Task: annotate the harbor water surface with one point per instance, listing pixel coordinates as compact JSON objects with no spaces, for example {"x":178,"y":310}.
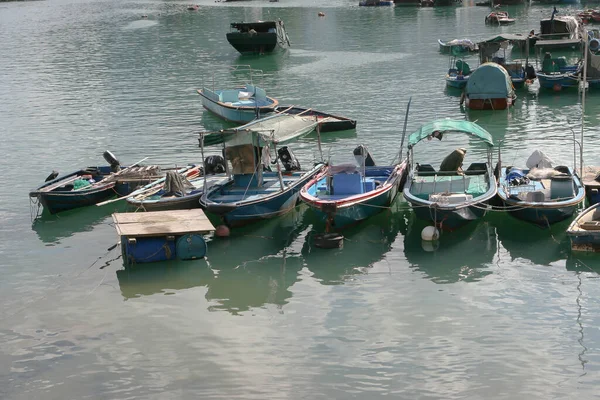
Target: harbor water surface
{"x":497,"y":310}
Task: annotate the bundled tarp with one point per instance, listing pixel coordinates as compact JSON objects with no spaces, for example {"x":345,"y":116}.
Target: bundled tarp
{"x":489,"y":81}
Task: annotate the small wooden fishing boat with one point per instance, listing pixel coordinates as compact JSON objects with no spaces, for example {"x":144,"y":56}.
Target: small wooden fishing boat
{"x":242,"y":104}
{"x":89,"y":186}
{"x":283,"y":125}
{"x":252,"y":192}
{"x":540,"y":194}
{"x":345,"y":194}
{"x":376,"y":3}
{"x":178,"y":190}
{"x":457,"y":46}
{"x":458,"y":74}
{"x":450,"y":197}
{"x":499,"y":18}
{"x":584,"y":231}
{"x":258,"y":37}
{"x":327,"y":122}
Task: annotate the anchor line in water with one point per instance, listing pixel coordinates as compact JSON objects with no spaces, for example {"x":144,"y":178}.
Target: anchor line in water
{"x":581,"y":337}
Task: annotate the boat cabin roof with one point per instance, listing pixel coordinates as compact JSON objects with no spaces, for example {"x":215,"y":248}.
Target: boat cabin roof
{"x":440,"y":127}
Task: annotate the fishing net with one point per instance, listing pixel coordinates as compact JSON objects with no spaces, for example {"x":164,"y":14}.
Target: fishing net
{"x":176,"y":185}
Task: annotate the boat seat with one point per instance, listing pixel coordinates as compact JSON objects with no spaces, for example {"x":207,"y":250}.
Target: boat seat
{"x":590,"y":225}
{"x":347,"y":184}
{"x":561,"y":187}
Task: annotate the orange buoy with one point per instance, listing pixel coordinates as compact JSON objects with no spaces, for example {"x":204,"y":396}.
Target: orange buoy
{"x":222,"y":231}
{"x":557,"y":87}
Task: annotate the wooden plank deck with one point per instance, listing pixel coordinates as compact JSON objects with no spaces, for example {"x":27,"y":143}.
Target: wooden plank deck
{"x":159,"y":223}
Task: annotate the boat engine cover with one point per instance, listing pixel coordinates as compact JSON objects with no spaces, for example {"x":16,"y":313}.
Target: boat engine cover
{"x":288,"y":159}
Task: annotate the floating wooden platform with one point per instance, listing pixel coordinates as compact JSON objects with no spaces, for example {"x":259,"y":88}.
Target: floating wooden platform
{"x":158,"y":223}
{"x":162,"y":235}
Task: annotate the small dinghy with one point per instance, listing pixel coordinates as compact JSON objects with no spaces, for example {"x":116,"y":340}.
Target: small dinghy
{"x":584,"y":231}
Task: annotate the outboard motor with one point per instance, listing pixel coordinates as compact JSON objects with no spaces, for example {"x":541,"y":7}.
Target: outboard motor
{"x":363,"y":157}
{"x":110,"y":158}
{"x":288,"y":159}
{"x":214,"y":165}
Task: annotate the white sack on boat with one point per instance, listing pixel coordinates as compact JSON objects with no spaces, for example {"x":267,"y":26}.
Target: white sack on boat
{"x":539,"y":159}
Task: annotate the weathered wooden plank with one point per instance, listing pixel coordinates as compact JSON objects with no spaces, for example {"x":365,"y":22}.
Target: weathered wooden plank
{"x":159,"y":216}
{"x":164,"y":228}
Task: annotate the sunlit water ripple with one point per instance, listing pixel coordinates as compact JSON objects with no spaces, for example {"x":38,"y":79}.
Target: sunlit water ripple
{"x":500,"y":310}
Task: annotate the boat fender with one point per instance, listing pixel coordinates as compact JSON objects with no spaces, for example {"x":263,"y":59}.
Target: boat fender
{"x":110,"y":158}
{"x":53,"y":175}
{"x":214,"y":165}
{"x":430,"y":234}
{"x":288,"y":159}
{"x":328,"y":240}
{"x":222,"y":231}
{"x":594,"y":45}
{"x":462,"y":98}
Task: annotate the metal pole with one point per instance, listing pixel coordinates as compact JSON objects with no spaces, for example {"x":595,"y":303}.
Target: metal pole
{"x":585,"y":57}
{"x":404,"y":131}
{"x":319,"y":140}
{"x":278,"y":166}
{"x":203,"y":163}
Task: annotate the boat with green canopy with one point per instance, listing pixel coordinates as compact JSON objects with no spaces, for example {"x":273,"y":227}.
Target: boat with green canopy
{"x":450,"y":196}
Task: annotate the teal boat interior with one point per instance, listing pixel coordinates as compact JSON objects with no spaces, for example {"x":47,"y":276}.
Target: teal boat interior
{"x":346,"y":181}
{"x":247,"y":96}
{"x":450,"y":187}
{"x":246,"y":187}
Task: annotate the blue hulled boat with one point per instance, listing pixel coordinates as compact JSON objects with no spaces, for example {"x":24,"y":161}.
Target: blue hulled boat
{"x":540,"y":194}
{"x":89,"y":186}
{"x":345,"y":194}
{"x":458,"y":74}
{"x":450,"y":197}
{"x":253,"y":192}
{"x":242,"y":104}
{"x":584,"y":231}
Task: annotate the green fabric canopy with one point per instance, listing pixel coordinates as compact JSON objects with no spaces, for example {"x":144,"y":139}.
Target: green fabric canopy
{"x":445,"y":126}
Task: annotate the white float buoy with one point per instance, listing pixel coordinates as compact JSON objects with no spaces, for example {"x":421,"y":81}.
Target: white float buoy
{"x":430,"y":233}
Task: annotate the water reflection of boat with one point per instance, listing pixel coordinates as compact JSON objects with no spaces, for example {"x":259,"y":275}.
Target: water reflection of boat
{"x":364,"y":245}
{"x":51,"y":228}
{"x":247,"y":270}
{"x":454,"y":257}
{"x":523,"y":240}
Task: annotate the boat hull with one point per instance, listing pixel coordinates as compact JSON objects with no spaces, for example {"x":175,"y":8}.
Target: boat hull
{"x":543,"y":216}
{"x":352,"y":210}
{"x":489,"y":104}
{"x":259,"y":43}
{"x":165,"y":204}
{"x":327,"y":122}
{"x":240,"y":213}
{"x":452,"y":81}
{"x":235,"y":114}
{"x":448,"y":219}
{"x":557,"y":82}
{"x":584,"y":238}
{"x":56,"y":201}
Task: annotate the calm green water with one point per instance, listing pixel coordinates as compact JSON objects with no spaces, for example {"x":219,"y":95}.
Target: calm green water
{"x":500,"y":310}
